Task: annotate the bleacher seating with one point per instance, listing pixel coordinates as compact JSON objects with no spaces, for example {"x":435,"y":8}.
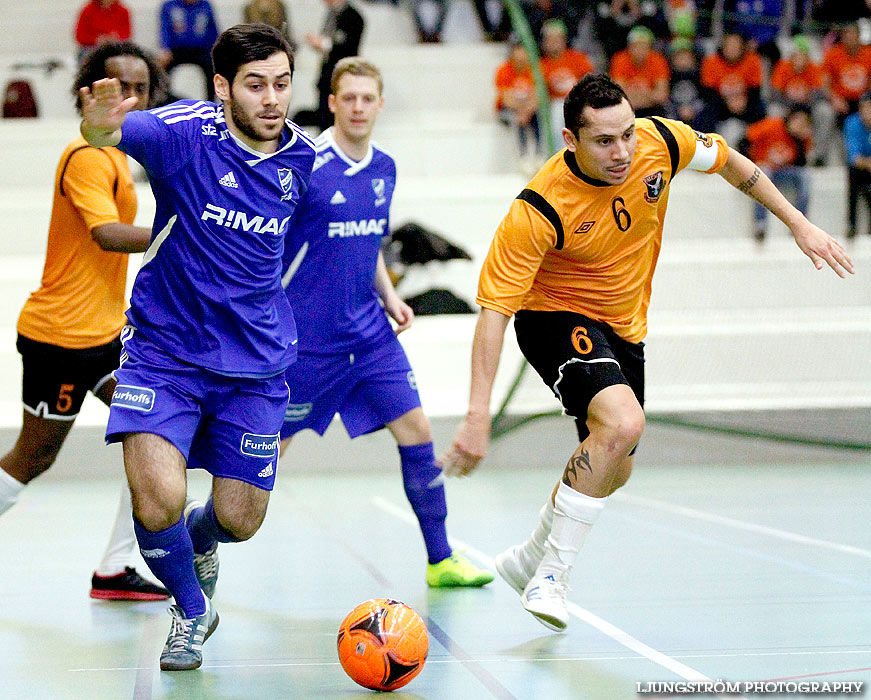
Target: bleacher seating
{"x":731,"y":324}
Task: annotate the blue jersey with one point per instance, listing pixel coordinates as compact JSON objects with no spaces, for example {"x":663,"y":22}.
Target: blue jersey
{"x":209,"y":291}
{"x":332,"y":250}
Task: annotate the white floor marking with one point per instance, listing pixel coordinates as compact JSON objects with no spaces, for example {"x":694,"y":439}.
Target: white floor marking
{"x":742,"y":525}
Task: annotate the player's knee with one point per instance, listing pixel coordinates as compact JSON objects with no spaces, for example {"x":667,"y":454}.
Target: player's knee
{"x":620,"y":431}
{"x":156,"y":510}
{"x":243,"y":526}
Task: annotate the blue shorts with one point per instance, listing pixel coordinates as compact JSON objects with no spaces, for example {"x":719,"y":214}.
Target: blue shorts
{"x":225,"y":425}
{"x":367,"y":389}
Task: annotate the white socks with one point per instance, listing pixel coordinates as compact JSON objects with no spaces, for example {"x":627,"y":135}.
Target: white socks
{"x":121,"y":541}
{"x":10,"y":487}
{"x":574,"y":514}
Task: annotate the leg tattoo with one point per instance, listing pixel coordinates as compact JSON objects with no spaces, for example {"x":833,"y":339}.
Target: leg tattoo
{"x":580,"y":462}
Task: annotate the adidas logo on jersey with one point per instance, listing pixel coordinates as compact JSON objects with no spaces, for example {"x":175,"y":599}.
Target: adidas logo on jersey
{"x":338,"y":198}
{"x":229,"y":180}
{"x":266,"y":471}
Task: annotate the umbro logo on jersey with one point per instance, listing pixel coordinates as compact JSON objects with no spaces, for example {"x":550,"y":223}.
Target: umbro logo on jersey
{"x":338,"y":198}
{"x":229,"y":180}
{"x":266,"y":471}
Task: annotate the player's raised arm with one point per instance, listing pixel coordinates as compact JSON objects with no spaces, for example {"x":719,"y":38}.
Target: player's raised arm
{"x":820,"y":247}
{"x":104,"y":111}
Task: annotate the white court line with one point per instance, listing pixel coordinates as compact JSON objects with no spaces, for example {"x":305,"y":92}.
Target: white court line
{"x":742,"y":525}
{"x":615,"y":633}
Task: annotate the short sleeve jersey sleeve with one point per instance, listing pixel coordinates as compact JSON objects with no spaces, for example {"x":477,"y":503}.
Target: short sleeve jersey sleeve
{"x":519,"y":246}
{"x":160,"y":149}
{"x":89,"y":180}
{"x":706,"y":153}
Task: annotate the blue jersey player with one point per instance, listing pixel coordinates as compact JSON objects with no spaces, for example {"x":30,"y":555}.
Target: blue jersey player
{"x":210,"y":334}
{"x":350,"y":361}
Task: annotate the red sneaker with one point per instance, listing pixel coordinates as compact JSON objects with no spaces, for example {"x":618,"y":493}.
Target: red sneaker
{"x":128,"y":585}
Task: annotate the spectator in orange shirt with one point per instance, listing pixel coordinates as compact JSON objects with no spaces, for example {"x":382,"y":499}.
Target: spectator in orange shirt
{"x":561,"y":67}
{"x":797,"y":81}
{"x":734,"y":73}
{"x":643,"y":73}
{"x":846,"y":72}
{"x":781,"y":146}
{"x":516,"y":100}
{"x":101,"y":21}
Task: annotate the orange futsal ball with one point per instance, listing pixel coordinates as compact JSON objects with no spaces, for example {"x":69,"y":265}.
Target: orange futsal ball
{"x":382,"y":644}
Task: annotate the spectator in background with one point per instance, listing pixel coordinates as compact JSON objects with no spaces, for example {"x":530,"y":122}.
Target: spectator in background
{"x":780,"y":146}
{"x":188,"y":31}
{"x":836,"y":12}
{"x":734,"y":74}
{"x":538,"y":12}
{"x":517,"y":102}
{"x":642,"y":73}
{"x":101,"y":21}
{"x":615,"y":18}
{"x":340,"y":38}
{"x":689,"y":100}
{"x":561,"y":67}
{"x":846,"y":71}
{"x":271,"y":12}
{"x":796,"y":81}
{"x":758,"y":21}
{"x":857,"y":140}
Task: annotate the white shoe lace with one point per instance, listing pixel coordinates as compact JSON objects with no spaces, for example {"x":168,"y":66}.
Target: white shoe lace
{"x":207,"y":564}
{"x":180,"y":632}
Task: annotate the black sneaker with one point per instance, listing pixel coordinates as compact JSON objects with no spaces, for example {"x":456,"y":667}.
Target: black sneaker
{"x":126,"y":586}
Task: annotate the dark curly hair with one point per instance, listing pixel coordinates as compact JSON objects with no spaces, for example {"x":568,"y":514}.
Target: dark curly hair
{"x":595,"y":90}
{"x":94,"y":69}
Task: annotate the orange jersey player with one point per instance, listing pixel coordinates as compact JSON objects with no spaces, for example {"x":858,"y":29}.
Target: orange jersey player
{"x":573,"y":262}
{"x":68,"y":329}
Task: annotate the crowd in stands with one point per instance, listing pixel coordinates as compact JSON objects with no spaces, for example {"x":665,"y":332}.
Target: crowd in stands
{"x":783,"y":81}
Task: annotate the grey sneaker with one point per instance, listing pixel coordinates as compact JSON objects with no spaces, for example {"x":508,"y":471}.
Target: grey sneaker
{"x":206,"y":564}
{"x":513,"y":567}
{"x":545,"y":598}
{"x":183,"y":650}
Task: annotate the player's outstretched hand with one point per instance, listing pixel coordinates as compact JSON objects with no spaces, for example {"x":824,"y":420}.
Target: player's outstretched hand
{"x":103,"y":107}
{"x":822,"y":249}
{"x":470,"y":445}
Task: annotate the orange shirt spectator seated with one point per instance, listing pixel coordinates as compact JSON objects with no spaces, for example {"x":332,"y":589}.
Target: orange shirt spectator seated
{"x":101,"y":21}
{"x":846,"y":72}
{"x":643,"y":73}
{"x":516,"y":100}
{"x":797,"y":80}
{"x":781,"y":146}
{"x":734,"y":73}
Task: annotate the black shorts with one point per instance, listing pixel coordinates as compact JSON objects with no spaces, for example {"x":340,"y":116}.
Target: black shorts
{"x":577,"y":357}
{"x":56,"y":379}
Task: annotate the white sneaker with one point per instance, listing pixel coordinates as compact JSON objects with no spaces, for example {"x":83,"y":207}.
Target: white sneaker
{"x":545,"y":598}
{"x":513,"y":566}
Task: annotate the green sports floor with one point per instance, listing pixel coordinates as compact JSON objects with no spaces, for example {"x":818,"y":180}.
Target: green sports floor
{"x":725,"y":557}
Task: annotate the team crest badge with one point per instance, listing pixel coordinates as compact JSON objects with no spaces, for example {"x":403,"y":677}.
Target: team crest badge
{"x":285,"y":178}
{"x":379,"y":188}
{"x":655,"y":185}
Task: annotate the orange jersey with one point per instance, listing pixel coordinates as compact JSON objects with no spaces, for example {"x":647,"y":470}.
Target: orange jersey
{"x":771,"y":145}
{"x":648,"y":74}
{"x":510,"y":81}
{"x":731,"y":78}
{"x":570,"y":243}
{"x":848,"y":74}
{"x":796,"y":86}
{"x":81,"y":301}
{"x":563,"y":72}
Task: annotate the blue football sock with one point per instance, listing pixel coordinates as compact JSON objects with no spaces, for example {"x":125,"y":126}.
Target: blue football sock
{"x":205,"y":530}
{"x":422,"y":479}
{"x":170,"y":557}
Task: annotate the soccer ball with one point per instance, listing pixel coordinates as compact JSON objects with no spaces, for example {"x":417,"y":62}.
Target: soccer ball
{"x":382,"y":644}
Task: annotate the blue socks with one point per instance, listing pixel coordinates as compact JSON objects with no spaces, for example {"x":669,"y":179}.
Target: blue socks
{"x":170,"y":557}
{"x":422,"y":479}
{"x":205,"y":530}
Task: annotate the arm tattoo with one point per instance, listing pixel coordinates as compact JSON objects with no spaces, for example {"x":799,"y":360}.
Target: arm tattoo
{"x":747,"y":185}
{"x":581,"y":462}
